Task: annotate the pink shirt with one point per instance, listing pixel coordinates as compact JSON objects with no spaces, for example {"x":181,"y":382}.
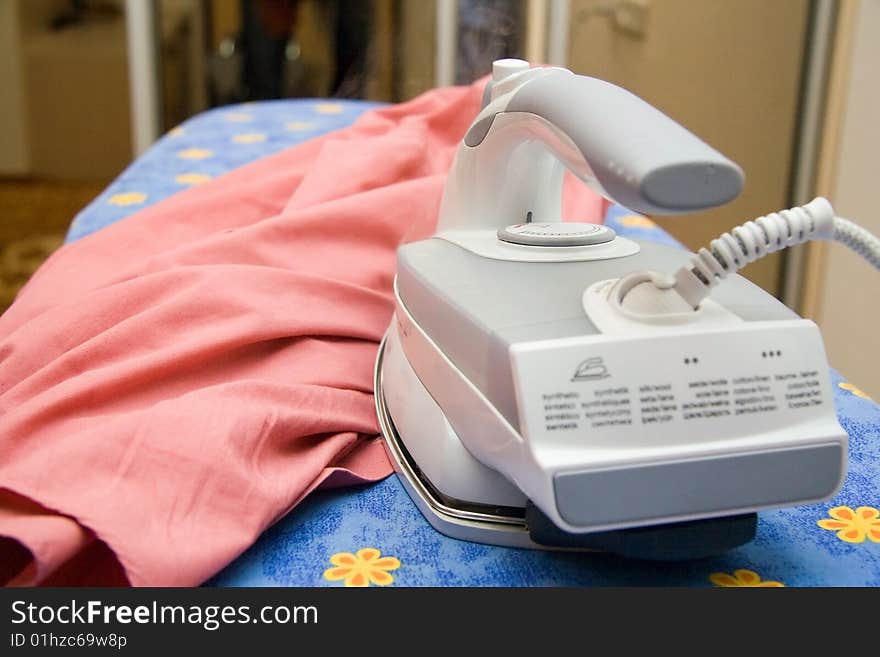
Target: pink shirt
{"x":173,"y":384}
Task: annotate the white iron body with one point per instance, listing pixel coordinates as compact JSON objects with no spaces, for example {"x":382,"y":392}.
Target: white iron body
{"x":523,"y":405}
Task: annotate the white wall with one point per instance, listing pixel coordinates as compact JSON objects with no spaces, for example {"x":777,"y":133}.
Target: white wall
{"x":849,"y":314}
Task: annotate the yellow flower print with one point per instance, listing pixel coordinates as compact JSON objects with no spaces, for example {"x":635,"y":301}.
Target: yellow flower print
{"x":742,"y":577}
{"x":851,"y":388}
{"x":637,"y":221}
{"x":299,"y":125}
{"x":175,"y":132}
{"x":853,"y":526}
{"x":362,"y":568}
{"x":195,"y":153}
{"x":328,"y":108}
{"x":127,"y":198}
{"x":192,"y":178}
{"x":238,"y":117}
{"x":249,"y":138}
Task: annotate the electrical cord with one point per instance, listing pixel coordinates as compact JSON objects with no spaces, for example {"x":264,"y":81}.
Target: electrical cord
{"x":773,"y":232}
{"x":858,"y":239}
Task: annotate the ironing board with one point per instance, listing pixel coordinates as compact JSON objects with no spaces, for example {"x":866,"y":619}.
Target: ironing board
{"x":834,"y":543}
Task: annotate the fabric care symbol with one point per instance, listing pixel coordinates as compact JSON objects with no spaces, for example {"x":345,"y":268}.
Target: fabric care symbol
{"x":591,"y":369}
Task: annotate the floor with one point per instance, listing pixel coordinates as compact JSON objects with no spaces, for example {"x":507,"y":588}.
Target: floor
{"x":34,"y":216}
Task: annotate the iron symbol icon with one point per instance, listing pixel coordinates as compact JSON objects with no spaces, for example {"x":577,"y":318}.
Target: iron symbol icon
{"x":592,"y":369}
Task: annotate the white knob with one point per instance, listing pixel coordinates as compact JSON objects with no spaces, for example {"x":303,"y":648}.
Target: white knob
{"x":503,"y":68}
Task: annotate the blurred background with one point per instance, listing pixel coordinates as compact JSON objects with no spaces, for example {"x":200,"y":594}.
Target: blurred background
{"x":787,"y":88}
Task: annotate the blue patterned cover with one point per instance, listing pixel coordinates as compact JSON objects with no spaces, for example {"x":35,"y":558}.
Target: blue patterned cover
{"x":375,"y":535}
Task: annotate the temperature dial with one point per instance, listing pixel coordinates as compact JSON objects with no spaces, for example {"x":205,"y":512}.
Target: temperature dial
{"x":556,"y":233}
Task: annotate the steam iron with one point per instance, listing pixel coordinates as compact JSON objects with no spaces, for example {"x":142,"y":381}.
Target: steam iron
{"x":523,"y":404}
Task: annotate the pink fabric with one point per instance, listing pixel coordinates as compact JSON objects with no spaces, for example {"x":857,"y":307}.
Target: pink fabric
{"x":177,"y":382}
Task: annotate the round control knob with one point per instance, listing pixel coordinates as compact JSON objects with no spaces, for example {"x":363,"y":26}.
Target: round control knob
{"x":502,"y":68}
{"x":556,"y":233}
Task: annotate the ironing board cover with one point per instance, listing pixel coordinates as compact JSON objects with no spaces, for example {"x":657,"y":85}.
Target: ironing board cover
{"x":834,"y":543}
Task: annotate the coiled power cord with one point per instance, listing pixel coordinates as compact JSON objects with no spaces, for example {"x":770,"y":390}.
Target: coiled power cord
{"x":773,"y":232}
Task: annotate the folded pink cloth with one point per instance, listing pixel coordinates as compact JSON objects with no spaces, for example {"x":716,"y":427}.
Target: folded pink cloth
{"x":177,"y":382}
